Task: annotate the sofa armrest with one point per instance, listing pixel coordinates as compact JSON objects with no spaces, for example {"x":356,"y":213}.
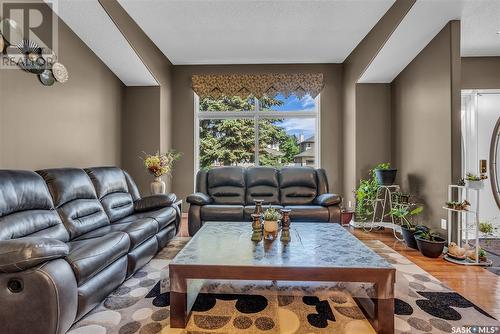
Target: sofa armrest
{"x":327,"y":200}
{"x":154,"y":202}
{"x":199,"y":199}
{"x":24,"y":253}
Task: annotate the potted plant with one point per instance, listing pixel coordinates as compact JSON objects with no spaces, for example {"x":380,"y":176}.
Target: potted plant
{"x":404,"y":215}
{"x":475,"y":181}
{"x":429,"y":244}
{"x":271,"y":217}
{"x":365,"y":195}
{"x":159,"y":165}
{"x":385,"y":174}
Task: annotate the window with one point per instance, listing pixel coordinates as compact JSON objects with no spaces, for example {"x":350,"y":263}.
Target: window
{"x":229,"y":129}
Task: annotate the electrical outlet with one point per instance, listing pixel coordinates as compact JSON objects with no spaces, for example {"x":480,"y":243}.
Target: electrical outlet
{"x":443,"y":224}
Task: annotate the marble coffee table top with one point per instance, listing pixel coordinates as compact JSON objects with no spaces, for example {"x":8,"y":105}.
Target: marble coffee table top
{"x":313,"y":245}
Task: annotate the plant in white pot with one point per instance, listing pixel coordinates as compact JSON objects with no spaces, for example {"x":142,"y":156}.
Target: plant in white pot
{"x":159,"y":165}
{"x":271,"y":223}
{"x":475,"y":181}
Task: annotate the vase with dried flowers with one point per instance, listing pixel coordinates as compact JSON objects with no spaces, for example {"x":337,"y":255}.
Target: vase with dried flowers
{"x":160,"y":164}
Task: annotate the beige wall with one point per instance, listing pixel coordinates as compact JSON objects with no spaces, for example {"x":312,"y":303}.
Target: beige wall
{"x":148,"y":111}
{"x":481,"y":72}
{"x":373,"y":127}
{"x":183,"y":117}
{"x":423,"y":107}
{"x":71,"y":124}
{"x":354,"y":125}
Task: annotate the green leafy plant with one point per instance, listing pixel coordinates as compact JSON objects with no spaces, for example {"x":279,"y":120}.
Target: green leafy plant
{"x":272,"y":214}
{"x":481,"y":253}
{"x":486,"y":228}
{"x":474,"y":177}
{"x":404,"y":214}
{"x":383,"y":166}
{"x":424,"y":233}
{"x":366,"y":193}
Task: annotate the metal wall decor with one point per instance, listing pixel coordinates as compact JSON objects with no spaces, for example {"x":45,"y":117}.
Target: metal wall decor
{"x":29,"y":56}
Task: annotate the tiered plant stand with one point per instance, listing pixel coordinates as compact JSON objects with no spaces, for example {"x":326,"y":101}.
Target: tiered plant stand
{"x":463,"y":193}
{"x":383,"y":200}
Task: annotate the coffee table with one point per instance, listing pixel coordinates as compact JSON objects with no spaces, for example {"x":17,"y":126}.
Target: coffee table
{"x":317,"y":252}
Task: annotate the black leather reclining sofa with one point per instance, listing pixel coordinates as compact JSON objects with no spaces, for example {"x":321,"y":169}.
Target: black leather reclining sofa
{"x":228,"y":194}
{"x":69,"y":237}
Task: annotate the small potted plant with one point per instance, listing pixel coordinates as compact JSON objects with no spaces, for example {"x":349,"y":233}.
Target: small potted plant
{"x":429,"y":244}
{"x":385,"y":174}
{"x":404,"y":215}
{"x":271,"y":226}
{"x":475,"y":181}
{"x":471,"y":255}
{"x":159,"y":165}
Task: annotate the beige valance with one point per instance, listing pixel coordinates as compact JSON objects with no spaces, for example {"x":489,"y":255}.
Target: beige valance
{"x":258,"y":85}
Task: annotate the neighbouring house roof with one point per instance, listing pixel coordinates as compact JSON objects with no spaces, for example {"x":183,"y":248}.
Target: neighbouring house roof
{"x":308,"y":140}
{"x":309,"y":153}
{"x":274,"y":152}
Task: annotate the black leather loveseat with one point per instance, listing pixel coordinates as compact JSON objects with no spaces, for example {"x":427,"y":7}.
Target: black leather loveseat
{"x":69,"y":237}
{"x":228,"y":194}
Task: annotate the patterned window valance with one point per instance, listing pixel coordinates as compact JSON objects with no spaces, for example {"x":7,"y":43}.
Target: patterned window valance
{"x":258,"y":85}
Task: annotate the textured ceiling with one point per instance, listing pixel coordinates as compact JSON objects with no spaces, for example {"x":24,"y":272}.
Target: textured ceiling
{"x":256,"y":32}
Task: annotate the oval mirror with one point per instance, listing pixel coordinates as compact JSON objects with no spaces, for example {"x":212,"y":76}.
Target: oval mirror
{"x":11,"y":31}
{"x":495,"y":162}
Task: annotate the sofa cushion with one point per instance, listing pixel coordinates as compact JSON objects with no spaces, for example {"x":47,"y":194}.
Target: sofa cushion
{"x":164,"y":217}
{"x":112,"y":190}
{"x":89,"y":257}
{"x":26,"y":207}
{"x":308,"y":213}
{"x":262,"y":183}
{"x":249,"y":209}
{"x":226,"y":185}
{"x":138,"y":230}
{"x":75,"y":200}
{"x":222,"y":212}
{"x":298,"y":185}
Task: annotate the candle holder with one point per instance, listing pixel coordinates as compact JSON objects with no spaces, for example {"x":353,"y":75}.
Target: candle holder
{"x":285,"y":225}
{"x":256,"y":227}
{"x":258,"y":207}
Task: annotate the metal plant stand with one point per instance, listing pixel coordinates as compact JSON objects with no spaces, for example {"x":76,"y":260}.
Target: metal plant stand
{"x":463,"y":194}
{"x":383,"y":201}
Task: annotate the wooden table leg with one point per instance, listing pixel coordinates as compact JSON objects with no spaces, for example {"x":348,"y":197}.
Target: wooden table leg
{"x":385,"y":316}
{"x":384,"y":305}
{"x":178,"y":309}
{"x":178,"y":299}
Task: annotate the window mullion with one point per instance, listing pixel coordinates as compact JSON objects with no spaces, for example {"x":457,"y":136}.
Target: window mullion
{"x":256,"y":130}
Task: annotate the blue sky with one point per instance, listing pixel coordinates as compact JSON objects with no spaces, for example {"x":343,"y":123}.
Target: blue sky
{"x":294,"y":103}
{"x":297,"y":126}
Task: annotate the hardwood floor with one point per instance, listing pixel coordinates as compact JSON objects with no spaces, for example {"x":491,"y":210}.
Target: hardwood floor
{"x":474,"y":283}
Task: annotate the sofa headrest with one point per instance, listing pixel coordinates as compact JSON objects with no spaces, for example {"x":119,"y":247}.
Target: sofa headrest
{"x":107,"y":180}
{"x":262,"y":176}
{"x":298,"y":177}
{"x":68,"y":184}
{"x":226,"y":177}
{"x":21,"y":191}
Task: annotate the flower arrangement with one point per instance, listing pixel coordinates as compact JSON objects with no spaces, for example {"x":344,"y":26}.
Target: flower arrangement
{"x":160,"y":164}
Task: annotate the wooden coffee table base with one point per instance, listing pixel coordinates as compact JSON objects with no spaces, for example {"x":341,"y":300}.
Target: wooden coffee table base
{"x":379,"y":311}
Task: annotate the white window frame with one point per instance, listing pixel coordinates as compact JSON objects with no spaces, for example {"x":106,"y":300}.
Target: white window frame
{"x":255,"y":114}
